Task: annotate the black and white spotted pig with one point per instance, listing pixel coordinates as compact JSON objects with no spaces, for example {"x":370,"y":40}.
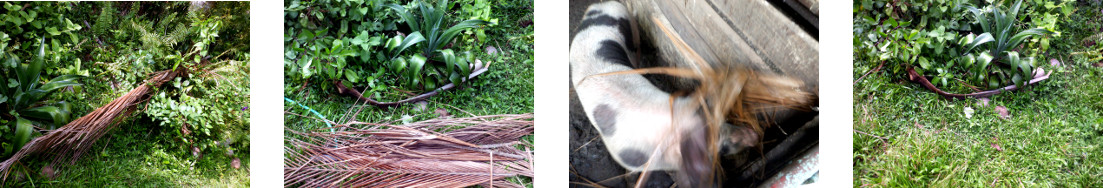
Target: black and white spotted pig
{"x":632,"y":115}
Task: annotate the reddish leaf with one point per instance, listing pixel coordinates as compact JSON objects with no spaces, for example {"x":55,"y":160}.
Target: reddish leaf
{"x":1003,"y":112}
{"x":983,"y":102}
{"x":997,"y":146}
{"x":236,"y":163}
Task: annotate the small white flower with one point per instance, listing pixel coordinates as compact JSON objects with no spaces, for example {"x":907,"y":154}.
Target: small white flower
{"x":968,"y":112}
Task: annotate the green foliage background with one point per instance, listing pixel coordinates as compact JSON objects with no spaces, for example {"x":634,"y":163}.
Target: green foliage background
{"x":188,"y":132}
{"x":363,"y":41}
{"x":932,"y":36}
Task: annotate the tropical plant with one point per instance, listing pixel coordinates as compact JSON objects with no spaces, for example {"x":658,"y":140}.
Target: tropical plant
{"x":22,"y":98}
{"x":325,"y":47}
{"x":999,"y":37}
{"x":937,"y":39}
{"x":431,"y":25}
{"x":479,"y":10}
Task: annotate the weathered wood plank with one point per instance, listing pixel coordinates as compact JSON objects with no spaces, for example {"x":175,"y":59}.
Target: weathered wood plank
{"x":813,"y":5}
{"x":750,"y":32}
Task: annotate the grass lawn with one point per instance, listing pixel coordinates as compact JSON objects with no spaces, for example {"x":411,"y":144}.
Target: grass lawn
{"x":1053,"y":136}
{"x":908,"y":136}
{"x":135,"y":155}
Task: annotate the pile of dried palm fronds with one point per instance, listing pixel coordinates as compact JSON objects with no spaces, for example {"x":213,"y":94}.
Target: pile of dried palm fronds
{"x":73,"y":139}
{"x":433,"y":153}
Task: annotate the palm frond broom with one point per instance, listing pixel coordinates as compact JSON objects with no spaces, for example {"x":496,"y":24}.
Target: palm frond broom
{"x":450,"y":152}
{"x":69,"y":142}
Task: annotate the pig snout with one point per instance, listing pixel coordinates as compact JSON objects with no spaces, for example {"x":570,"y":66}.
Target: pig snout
{"x":734,"y":139}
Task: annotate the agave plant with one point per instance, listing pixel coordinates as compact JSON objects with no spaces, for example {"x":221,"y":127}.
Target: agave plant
{"x":21,"y":98}
{"x":998,"y":38}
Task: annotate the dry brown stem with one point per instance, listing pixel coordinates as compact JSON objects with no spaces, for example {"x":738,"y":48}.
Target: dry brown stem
{"x":456,"y":152}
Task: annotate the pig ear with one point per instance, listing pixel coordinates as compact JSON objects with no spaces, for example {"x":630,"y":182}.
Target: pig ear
{"x":697,"y":165}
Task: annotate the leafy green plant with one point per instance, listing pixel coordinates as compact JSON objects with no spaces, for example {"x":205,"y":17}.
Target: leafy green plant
{"x":325,"y":36}
{"x":936,"y":38}
{"x":22,"y":98}
{"x":431,"y":24}
{"x":999,"y":37}
{"x":479,"y":10}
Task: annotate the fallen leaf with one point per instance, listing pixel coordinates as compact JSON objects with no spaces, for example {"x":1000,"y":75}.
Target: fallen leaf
{"x":491,"y":50}
{"x":983,"y":102}
{"x":997,"y":146}
{"x":441,"y":112}
{"x":1003,"y":112}
{"x":1054,"y":62}
{"x":196,"y":152}
{"x":420,"y":106}
{"x":236,"y":163}
{"x":48,"y":171}
{"x":968,"y":112}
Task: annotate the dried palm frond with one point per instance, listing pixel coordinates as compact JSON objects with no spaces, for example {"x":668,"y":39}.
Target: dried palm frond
{"x":433,"y":153}
{"x":74,"y":139}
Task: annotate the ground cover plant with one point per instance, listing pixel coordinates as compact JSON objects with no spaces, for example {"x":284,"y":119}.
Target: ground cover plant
{"x":374,"y":48}
{"x":192,"y":130}
{"x":1046,"y":134}
{"x":961,"y":45}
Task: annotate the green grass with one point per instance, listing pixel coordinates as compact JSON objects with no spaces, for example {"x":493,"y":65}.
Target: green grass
{"x":135,"y":155}
{"x":1053,"y":137}
{"x":907,"y":136}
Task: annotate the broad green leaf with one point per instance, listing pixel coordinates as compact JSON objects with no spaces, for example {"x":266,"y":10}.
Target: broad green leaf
{"x":410,"y":40}
{"x":57,"y":115}
{"x":923,"y":63}
{"x":52,"y":31}
{"x":983,"y":38}
{"x":352,"y":76}
{"x":398,"y":65}
{"x":414,"y":68}
{"x":406,"y":16}
{"x":23,"y":130}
